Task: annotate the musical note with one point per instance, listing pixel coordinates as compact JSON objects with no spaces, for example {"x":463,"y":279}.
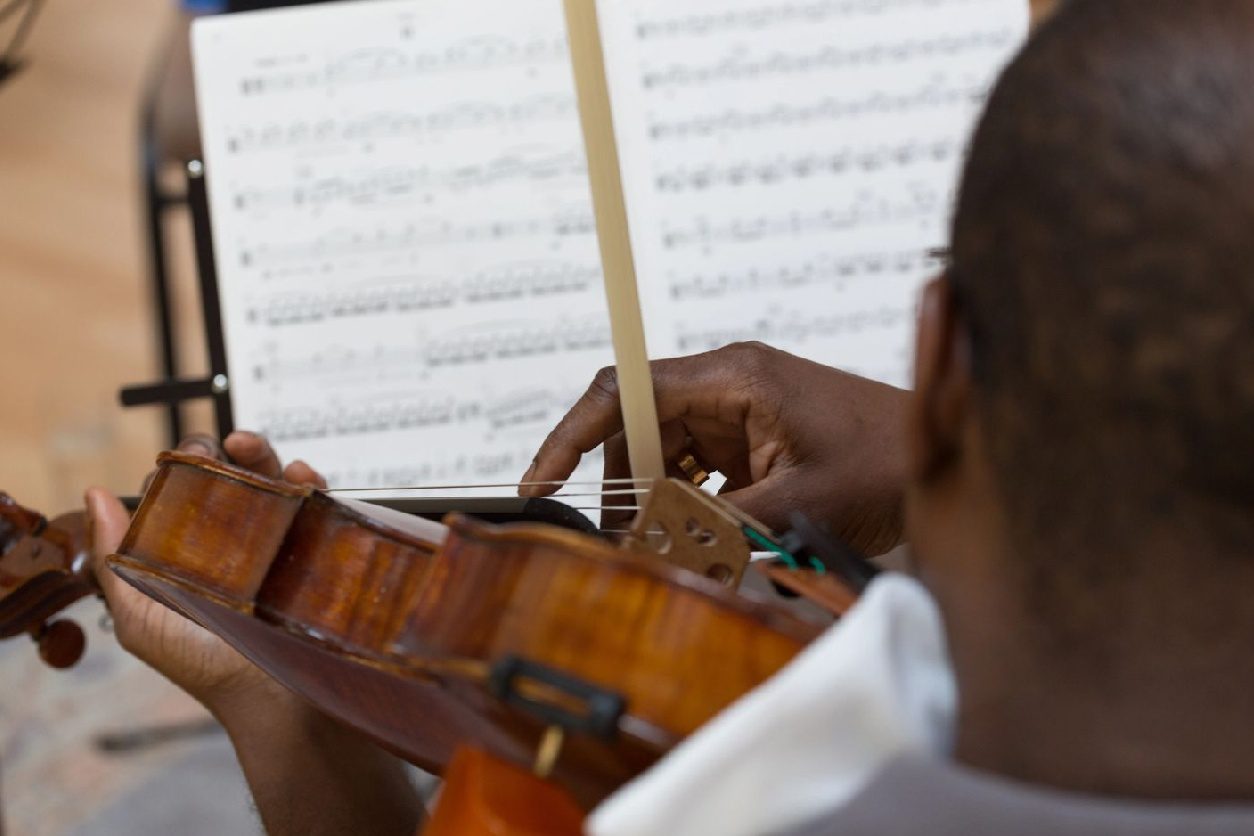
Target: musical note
{"x":740,"y":65}
{"x":485,"y":343}
{"x":753,"y":16}
{"x":821,"y":270}
{"x":503,"y":462}
{"x":936,"y":93}
{"x":403,"y":233}
{"x":375,"y":64}
{"x":789,"y":164}
{"x":795,"y":326}
{"x":409,"y":276}
{"x":804,"y":166}
{"x":405,"y":294}
{"x":421,"y":410}
{"x":406,"y":184}
{"x":390,"y":125}
{"x":864,"y":211}
{"x":494,"y":342}
{"x":429,"y":232}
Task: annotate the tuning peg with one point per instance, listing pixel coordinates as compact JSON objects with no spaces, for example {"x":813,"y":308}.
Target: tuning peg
{"x":61,"y":643}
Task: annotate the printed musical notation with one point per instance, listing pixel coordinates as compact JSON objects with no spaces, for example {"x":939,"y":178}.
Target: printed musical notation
{"x":865,"y":211}
{"x":443,"y":466}
{"x":804,"y":166}
{"x":391,"y":125}
{"x":403,"y":232}
{"x":536,"y":407}
{"x":487,"y":343}
{"x":493,"y":343}
{"x":375,"y":64}
{"x":795,"y":326}
{"x":742,"y":65}
{"x":406,"y":253}
{"x":937,"y":92}
{"x":777,"y":278}
{"x":773,"y":152}
{"x":725,"y":19}
{"x":430,"y":232}
{"x":406,"y":184}
{"x":405,"y":294}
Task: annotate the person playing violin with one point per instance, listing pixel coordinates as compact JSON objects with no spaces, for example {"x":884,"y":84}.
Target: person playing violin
{"x":1073,"y":470}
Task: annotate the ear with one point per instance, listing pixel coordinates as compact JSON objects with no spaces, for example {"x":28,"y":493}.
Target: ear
{"x":942,"y":384}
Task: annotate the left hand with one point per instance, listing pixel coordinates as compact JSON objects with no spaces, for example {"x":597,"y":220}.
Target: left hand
{"x":308,"y":774}
{"x":188,"y":655}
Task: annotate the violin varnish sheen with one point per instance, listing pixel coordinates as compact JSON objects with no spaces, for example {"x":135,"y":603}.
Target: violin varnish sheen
{"x":225,"y":531}
{"x":344,"y":576}
{"x":393,"y":626}
{"x":657,"y":635}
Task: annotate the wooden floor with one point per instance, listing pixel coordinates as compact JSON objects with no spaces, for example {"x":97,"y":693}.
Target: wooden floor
{"x":74,"y":326}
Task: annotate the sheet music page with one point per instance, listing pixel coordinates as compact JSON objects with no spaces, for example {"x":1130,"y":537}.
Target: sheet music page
{"x":406,"y":252}
{"x":788,"y":164}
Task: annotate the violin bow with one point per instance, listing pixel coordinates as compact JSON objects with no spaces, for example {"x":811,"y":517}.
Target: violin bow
{"x":635,"y":381}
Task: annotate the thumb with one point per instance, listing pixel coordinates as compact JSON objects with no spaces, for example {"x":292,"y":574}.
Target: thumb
{"x":109,"y":521}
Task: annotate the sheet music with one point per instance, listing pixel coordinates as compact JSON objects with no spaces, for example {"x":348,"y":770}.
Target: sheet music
{"x":406,"y":252}
{"x":789,"y":164}
{"x":407,"y":259}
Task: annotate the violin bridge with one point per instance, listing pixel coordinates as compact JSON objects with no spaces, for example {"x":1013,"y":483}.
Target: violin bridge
{"x":686,"y":527}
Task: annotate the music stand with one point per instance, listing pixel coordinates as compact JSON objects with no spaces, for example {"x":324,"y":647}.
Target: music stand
{"x":217,"y":385}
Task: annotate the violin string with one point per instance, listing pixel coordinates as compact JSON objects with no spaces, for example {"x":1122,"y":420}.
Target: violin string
{"x":625,"y":492}
{"x":629,"y":531}
{"x":486,"y":485}
{"x":607,"y":507}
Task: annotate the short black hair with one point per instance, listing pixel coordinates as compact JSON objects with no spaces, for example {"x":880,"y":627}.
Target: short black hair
{"x":1103,"y":264}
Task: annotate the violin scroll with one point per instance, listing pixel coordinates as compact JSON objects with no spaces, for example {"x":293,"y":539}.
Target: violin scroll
{"x":44,"y":568}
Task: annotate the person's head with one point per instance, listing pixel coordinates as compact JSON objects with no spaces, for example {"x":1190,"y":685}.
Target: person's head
{"x":1085,"y":385}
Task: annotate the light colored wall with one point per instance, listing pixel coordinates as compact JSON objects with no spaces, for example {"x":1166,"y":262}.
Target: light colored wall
{"x":72,"y":312}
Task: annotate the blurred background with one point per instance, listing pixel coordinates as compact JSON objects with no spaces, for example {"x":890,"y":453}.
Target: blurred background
{"x":78,"y":321}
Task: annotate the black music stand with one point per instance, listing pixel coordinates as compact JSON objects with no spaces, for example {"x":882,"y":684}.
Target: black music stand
{"x":217,"y":385}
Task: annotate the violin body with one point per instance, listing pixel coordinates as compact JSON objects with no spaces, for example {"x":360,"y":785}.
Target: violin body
{"x":394,"y":625}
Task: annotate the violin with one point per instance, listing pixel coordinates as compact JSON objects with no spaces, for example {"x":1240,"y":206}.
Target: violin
{"x":426,"y":636}
{"x":44,"y":568}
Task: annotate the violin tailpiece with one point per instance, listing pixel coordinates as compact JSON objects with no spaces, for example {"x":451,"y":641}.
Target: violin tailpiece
{"x":686,"y":527}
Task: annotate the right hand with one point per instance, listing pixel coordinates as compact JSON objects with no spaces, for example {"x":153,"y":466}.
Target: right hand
{"x":788,"y":434}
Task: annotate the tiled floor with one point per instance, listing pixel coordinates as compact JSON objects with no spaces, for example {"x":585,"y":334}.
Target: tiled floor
{"x":57,"y":781}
